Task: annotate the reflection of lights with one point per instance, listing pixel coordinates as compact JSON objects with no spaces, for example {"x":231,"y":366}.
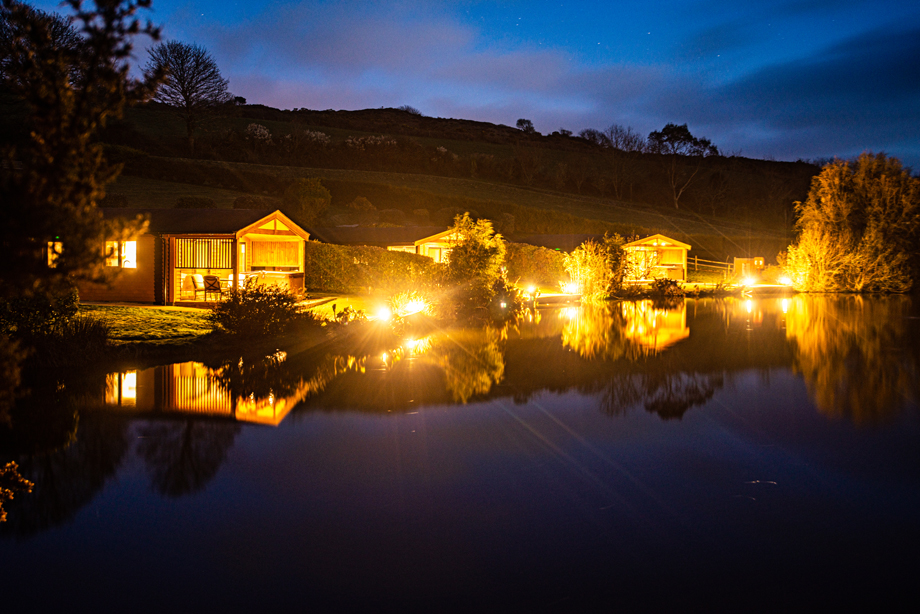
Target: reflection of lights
{"x":749,"y":305}
{"x":417,"y":346}
{"x":785,"y":304}
{"x":384,"y":314}
{"x":785,"y":280}
{"x":384,"y":357}
{"x":413,"y":307}
{"x":569,"y":313}
{"x":129,"y":385}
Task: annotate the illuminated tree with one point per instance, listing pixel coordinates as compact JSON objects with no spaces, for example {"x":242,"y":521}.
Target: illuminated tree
{"x":598,"y":268}
{"x":193,"y":86}
{"x":474,"y":266}
{"x":859,"y":229}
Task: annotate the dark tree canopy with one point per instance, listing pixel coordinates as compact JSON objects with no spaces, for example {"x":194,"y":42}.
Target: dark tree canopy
{"x":525,"y":125}
{"x":193,"y":84}
{"x":677,"y":140}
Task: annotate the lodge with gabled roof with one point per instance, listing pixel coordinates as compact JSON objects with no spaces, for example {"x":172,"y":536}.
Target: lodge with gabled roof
{"x":193,"y":256}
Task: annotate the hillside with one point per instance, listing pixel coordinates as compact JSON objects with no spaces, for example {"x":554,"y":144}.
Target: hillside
{"x":732,"y":206}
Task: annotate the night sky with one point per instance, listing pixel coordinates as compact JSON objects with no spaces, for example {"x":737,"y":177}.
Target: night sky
{"x":776,"y":79}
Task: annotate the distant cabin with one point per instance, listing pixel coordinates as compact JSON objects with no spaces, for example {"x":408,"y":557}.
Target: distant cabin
{"x":193,"y":256}
{"x":657,"y":257}
{"x":431,"y":241}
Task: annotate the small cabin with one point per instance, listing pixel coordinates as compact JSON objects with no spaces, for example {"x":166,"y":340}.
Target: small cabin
{"x":193,"y":256}
{"x":656,"y":257}
{"x":431,"y":241}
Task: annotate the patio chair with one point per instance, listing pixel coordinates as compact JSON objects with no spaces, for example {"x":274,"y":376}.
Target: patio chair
{"x":212,"y":286}
{"x":192,"y":283}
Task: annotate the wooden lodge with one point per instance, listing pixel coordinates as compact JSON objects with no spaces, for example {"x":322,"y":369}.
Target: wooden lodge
{"x":193,"y":256}
{"x":658,"y":257}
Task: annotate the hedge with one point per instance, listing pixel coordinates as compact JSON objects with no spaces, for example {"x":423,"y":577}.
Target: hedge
{"x":346,"y":268}
{"x":532,"y":264}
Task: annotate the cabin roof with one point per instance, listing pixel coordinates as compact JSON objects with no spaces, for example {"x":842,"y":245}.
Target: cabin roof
{"x":658,"y":239}
{"x":380,"y":237}
{"x":197,"y":221}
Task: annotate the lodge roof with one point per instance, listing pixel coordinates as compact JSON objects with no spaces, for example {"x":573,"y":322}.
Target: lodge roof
{"x":380,"y":237}
{"x":191,"y":221}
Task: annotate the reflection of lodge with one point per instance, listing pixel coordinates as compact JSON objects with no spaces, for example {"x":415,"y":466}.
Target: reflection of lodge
{"x":190,"y":388}
{"x":655,"y":328}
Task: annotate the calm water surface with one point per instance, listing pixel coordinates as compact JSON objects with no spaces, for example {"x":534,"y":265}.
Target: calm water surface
{"x":705,"y":455}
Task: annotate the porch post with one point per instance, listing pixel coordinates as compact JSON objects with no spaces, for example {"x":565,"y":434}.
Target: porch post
{"x":234,"y":263}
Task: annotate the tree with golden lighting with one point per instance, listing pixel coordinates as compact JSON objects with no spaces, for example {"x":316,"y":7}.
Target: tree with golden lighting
{"x":859,"y":229}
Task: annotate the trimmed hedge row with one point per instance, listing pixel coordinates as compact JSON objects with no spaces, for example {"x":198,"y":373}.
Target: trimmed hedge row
{"x":532,"y":264}
{"x":346,"y":268}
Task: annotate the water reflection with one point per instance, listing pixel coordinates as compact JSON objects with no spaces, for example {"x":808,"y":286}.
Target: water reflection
{"x":858,"y":356}
{"x":626,"y":329}
{"x":257,"y":389}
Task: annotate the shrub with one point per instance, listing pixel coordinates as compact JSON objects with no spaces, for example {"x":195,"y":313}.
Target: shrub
{"x":257,"y":310}
{"x":361,"y":204}
{"x":250,"y":201}
{"x":35,"y":315}
{"x":73,"y":341}
{"x":195,"y":202}
{"x":393,"y":216}
{"x":532,"y":264}
{"x":421,"y":217}
{"x":307,"y":199}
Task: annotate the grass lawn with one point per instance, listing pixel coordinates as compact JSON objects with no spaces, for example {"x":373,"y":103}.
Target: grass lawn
{"x":158,"y":325}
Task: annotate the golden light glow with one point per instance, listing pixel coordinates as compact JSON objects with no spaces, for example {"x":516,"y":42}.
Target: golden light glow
{"x":569,"y":287}
{"x":748,"y":281}
{"x":384,"y":314}
{"x":749,"y":306}
{"x":129,"y":255}
{"x":785,"y":304}
{"x":785,"y":280}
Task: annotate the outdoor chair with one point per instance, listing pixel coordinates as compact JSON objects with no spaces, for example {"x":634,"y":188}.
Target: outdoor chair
{"x":212,"y":286}
{"x":193,"y":283}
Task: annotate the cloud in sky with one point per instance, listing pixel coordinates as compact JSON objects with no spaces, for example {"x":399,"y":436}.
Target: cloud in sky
{"x":789,"y":78}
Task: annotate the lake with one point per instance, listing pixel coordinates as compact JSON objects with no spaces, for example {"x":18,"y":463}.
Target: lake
{"x":717,"y":455}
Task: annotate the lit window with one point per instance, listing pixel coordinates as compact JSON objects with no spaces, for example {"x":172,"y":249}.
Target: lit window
{"x":111,"y":253}
{"x":129,"y":254}
{"x":54,"y":252}
{"x":121,"y":253}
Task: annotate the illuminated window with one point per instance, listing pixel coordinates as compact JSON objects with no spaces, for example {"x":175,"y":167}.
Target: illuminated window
{"x":54,"y":252}
{"x":129,"y":254}
{"x":121,"y":253}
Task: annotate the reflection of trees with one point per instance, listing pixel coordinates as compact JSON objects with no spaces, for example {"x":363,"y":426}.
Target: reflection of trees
{"x":258,"y":376}
{"x":597,"y":332}
{"x":666,"y":393}
{"x":472,"y":361}
{"x":854,"y":354}
{"x":183,"y":456}
{"x":67,"y":478}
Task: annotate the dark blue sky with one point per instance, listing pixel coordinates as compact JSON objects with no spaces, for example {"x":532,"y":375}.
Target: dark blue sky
{"x":786,"y":79}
